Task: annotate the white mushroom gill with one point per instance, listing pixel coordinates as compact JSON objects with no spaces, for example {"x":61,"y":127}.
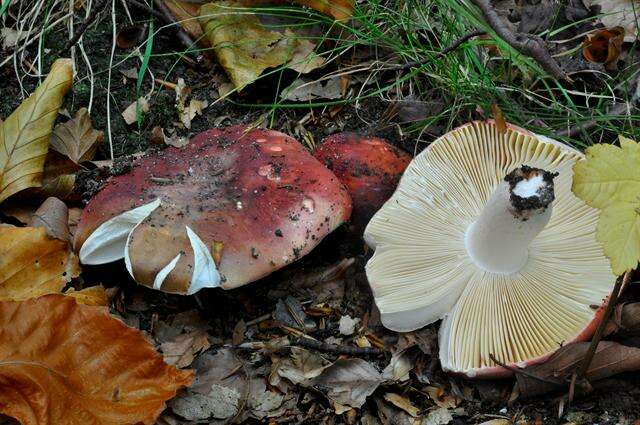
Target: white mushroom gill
{"x":421,"y":270}
{"x":107,"y":243}
{"x":205,"y":273}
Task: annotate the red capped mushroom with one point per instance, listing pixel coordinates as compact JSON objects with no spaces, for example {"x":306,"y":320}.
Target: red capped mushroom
{"x":369,"y":167}
{"x":256,"y":196}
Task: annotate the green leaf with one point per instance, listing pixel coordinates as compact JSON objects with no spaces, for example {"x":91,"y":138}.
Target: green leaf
{"x":609,"y":179}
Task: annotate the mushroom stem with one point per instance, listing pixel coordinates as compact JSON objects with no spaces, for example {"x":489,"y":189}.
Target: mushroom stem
{"x":516,"y":212}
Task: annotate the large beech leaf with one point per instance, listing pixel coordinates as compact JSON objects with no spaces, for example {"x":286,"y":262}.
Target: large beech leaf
{"x":66,"y":363}
{"x":24,"y":135}
{"x":245,"y":47}
{"x":33,"y":263}
{"x":609,"y":179}
{"x":76,"y":138}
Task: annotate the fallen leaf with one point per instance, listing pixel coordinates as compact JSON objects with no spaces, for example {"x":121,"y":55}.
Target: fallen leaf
{"x":130,"y":114}
{"x":440,"y":416}
{"x":349,"y":381}
{"x":53,"y":216}
{"x":625,"y":321}
{"x":182,"y":350}
{"x":24,"y":135}
{"x":441,"y":398}
{"x":93,"y":295}
{"x":338,"y":9}
{"x":622,"y":13}
{"x":402,"y":362}
{"x":11,"y":37}
{"x":187,"y":112}
{"x":76,"y":138}
{"x":245,"y":47}
{"x":219,"y":379}
{"x":610,"y":359}
{"x":347,"y":325}
{"x":302,"y":366}
{"x":608,"y":179}
{"x":304,"y":90}
{"x":58,"y":178}
{"x":33,"y":263}
{"x":402,"y":403}
{"x":81,"y":365}
{"x":262,"y":402}
{"x":289,"y":312}
{"x":604,"y":46}
{"x":239,"y":333}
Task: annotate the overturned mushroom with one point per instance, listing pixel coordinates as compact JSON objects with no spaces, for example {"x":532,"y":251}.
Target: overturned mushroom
{"x":369,"y":167}
{"x":473,"y":235}
{"x":256,"y":199}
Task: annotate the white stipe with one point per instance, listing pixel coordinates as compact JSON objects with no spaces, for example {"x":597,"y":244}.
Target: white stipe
{"x":205,"y":273}
{"x":162,"y":274}
{"x":108,"y":242}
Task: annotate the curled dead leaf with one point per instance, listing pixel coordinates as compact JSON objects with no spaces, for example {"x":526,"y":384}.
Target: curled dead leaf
{"x":33,"y":263}
{"x":24,"y":135}
{"x":604,"y":46}
{"x":63,"y":362}
{"x":93,"y":295}
{"x":53,"y":216}
{"x":76,"y":138}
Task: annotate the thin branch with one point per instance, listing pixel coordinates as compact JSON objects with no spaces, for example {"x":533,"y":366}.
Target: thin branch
{"x":524,"y":372}
{"x":336,"y":349}
{"x":100,"y":5}
{"x":180,"y":32}
{"x":528,"y":45}
{"x":588,"y":357}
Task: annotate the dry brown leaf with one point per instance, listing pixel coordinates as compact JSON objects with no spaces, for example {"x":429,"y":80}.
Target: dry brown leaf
{"x":604,"y":46}
{"x":186,"y":14}
{"x":181,"y":350}
{"x":402,"y":403}
{"x":93,"y":295}
{"x":24,"y":135}
{"x":77,"y":138}
{"x":53,"y":216}
{"x":66,"y":363}
{"x":338,"y":9}
{"x":441,"y":398}
{"x":59,"y":177}
{"x":130,"y":113}
{"x":33,"y":263}
{"x":610,"y":359}
{"x":349,"y":382}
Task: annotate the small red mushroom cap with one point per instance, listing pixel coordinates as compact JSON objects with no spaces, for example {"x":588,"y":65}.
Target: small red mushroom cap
{"x":369,"y":167}
{"x":256,"y":196}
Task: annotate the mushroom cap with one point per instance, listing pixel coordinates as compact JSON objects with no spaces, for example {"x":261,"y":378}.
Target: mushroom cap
{"x":421,"y":271}
{"x":369,"y":167}
{"x":256,"y":196}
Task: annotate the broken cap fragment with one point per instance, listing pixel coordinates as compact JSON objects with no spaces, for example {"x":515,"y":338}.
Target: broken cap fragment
{"x":511,"y":264}
{"x":369,"y":167}
{"x":257,"y":195}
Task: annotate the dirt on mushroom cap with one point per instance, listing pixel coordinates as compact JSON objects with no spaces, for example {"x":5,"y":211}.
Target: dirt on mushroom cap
{"x":258,"y":192}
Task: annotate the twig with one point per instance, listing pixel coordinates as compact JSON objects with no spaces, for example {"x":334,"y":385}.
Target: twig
{"x":336,"y":349}
{"x":576,"y":130}
{"x":451,"y":47}
{"x":146,"y":9}
{"x":524,"y":372}
{"x":588,"y":357}
{"x":100,"y":5}
{"x":180,"y":32}
{"x":528,"y":45}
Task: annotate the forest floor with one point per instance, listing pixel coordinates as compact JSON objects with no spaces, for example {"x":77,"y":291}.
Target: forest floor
{"x":410,"y":107}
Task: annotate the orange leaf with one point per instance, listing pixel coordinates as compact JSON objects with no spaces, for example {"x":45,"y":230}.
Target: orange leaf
{"x":604,"y":46}
{"x":93,"y":295}
{"x":33,"y":263}
{"x":67,"y":363}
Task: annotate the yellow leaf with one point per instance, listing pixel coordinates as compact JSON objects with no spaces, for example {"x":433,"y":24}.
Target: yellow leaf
{"x":93,"y":295}
{"x":244,"y":47}
{"x":66,"y":363}
{"x":24,"y":135}
{"x":619,"y":234}
{"x":33,"y":263}
{"x":609,"y":179}
{"x":77,"y":138}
